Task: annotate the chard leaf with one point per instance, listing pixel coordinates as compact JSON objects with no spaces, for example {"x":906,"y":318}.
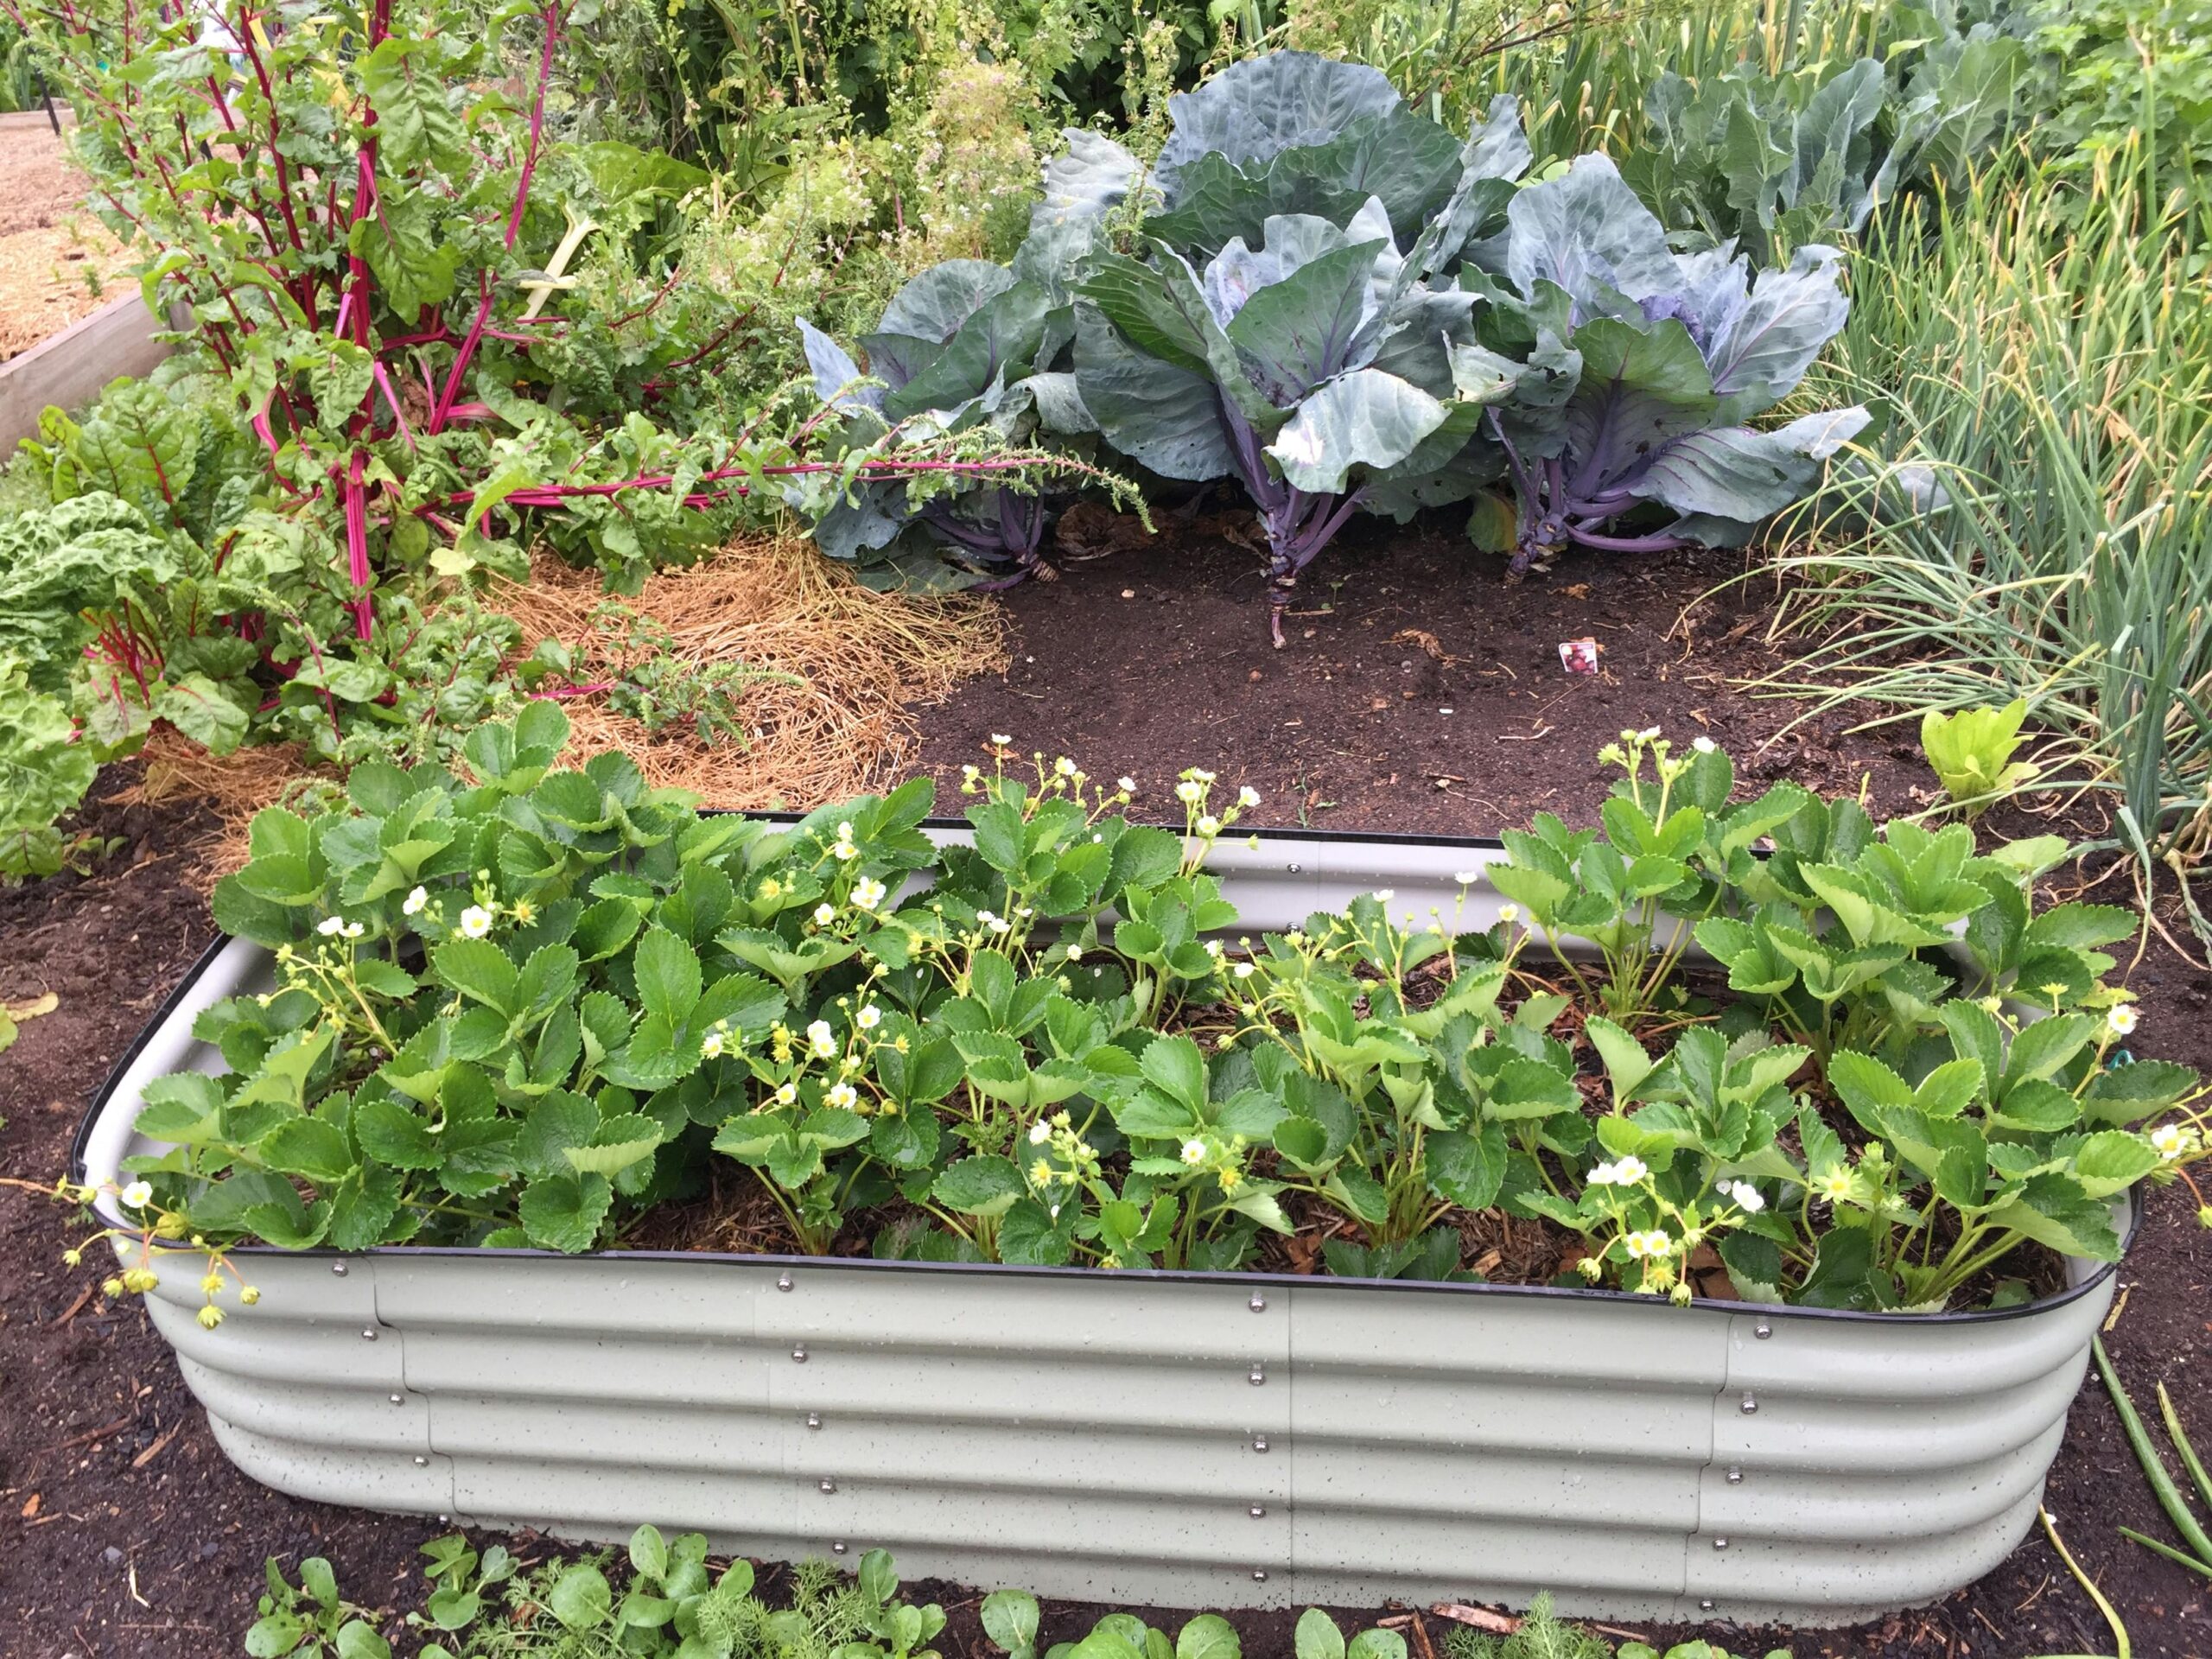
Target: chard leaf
{"x":407,"y":88}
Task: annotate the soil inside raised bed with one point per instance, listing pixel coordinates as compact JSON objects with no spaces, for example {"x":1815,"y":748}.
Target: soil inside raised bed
{"x":125,"y":1533}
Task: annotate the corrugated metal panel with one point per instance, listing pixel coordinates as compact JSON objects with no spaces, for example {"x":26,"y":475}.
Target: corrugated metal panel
{"x":1179,"y":1440}
{"x":1103,"y":1437}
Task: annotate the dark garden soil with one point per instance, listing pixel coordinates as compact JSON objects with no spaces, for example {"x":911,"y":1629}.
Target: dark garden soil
{"x":125,"y":1532}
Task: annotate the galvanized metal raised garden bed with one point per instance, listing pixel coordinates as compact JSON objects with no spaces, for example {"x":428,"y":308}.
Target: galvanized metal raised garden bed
{"x":1179,"y":1439}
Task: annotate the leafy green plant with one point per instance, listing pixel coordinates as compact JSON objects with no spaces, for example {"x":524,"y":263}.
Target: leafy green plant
{"x":1011,"y":1622}
{"x":663,"y":1600}
{"x":2196,"y":1554}
{"x":965,"y":345}
{"x":1670,"y":847}
{"x":2121,"y":72}
{"x":427,"y":330}
{"x":1972,"y":751}
{"x":672,"y":1604}
{"x":632,"y":660}
{"x":524,"y":1008}
{"x":311,"y":1621}
{"x":1777,"y":162}
{"x":740,"y":86}
{"x":460,"y":1579}
{"x":1542,"y":1635}
{"x":44,"y":772}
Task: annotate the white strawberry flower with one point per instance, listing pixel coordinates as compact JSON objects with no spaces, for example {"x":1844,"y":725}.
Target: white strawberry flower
{"x":821,"y":1040}
{"x":711,"y":1046}
{"x":1039,"y":1133}
{"x":1189,"y":793}
{"x":868,"y":1018}
{"x":1127,"y":785}
{"x":2122,"y":1019}
{"x":1209,"y":825}
{"x":475,"y":922}
{"x":824,"y":913}
{"x":1248,"y":798}
{"x":1630,"y":1170}
{"x":413,"y":903}
{"x":867,"y":892}
{"x":844,"y":1097}
{"x":2173,"y":1142}
{"x":1703,"y":745}
{"x":137,"y":1195}
{"x":331,"y":926}
{"x":1194,"y":1153}
{"x":1000,"y":739}
{"x":787,"y":1095}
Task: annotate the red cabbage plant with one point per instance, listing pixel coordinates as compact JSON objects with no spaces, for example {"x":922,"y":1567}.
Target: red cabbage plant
{"x":1619,"y":375}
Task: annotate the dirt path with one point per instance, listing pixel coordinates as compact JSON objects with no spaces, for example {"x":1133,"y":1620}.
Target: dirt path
{"x":125,"y":1535}
{"x":58,"y":264}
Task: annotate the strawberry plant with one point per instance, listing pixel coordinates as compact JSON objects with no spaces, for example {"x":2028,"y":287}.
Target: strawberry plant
{"x":524,"y":1006}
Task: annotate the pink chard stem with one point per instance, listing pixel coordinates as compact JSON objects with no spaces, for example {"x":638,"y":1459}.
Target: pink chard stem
{"x":446,"y":399}
{"x":356,"y":540}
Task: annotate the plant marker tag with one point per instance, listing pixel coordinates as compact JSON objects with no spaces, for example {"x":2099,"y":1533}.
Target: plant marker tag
{"x":1580,"y":656}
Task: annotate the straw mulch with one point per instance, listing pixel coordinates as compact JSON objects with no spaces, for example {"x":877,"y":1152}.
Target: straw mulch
{"x":862,"y":661}
{"x":231,"y":788}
